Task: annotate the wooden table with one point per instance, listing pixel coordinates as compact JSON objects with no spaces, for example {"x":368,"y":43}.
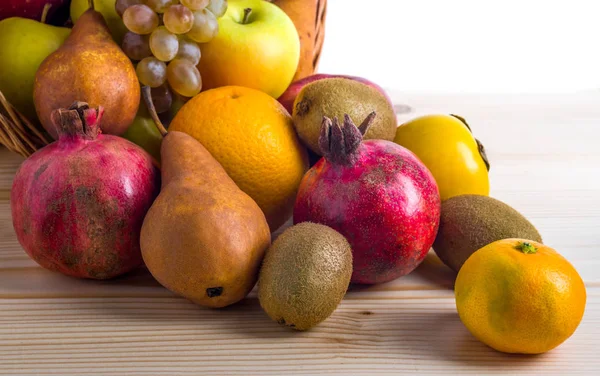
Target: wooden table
{"x":545,"y":162}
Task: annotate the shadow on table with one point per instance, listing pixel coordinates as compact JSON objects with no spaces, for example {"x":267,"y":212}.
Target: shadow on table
{"x":425,"y":332}
{"x":164,"y":309}
{"x":455,"y":344}
{"x":430,"y":274}
{"x":435,"y":271}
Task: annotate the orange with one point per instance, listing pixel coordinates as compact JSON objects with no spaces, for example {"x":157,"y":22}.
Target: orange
{"x":519,"y":296}
{"x":253,"y":138}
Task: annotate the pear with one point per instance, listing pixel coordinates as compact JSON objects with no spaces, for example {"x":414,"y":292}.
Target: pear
{"x":24,"y":44}
{"x":203,"y":238}
{"x":89,"y":67}
{"x":107,"y":9}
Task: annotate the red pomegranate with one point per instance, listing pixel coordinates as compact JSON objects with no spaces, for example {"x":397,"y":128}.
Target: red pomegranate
{"x":376,"y":193}
{"x":79,"y":203}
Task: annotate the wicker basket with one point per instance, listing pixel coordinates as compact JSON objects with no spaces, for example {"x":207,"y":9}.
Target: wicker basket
{"x":17,"y":133}
{"x":309,"y":18}
{"x":21,"y":136}
{"x":319,"y":34}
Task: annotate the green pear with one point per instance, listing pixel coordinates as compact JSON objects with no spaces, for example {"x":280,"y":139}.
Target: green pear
{"x":24,"y":44}
{"x":107,"y":9}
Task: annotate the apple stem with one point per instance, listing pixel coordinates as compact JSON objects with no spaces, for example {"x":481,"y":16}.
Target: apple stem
{"x":147,"y":94}
{"x":247,"y":12}
{"x":45,"y":12}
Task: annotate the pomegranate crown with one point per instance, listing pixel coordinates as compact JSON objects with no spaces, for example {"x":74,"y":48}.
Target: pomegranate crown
{"x":79,"y":120}
{"x":339,"y":143}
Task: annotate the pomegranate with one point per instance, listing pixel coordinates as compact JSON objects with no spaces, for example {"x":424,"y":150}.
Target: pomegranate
{"x":79,"y":203}
{"x":376,"y":193}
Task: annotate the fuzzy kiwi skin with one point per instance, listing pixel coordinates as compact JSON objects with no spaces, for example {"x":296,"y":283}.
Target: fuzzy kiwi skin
{"x":305,"y":275}
{"x":470,"y":222}
{"x":336,"y":97}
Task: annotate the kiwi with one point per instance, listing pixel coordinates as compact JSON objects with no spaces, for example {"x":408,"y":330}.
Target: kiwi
{"x":335,"y":97}
{"x":470,"y":222}
{"x":305,"y":275}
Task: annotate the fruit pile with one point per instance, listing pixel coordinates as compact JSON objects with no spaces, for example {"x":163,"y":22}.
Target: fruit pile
{"x":225,"y":166}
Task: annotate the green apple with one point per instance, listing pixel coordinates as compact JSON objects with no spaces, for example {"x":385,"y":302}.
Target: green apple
{"x":24,"y":44}
{"x":107,"y":9}
{"x":257,"y":46}
{"x":144,"y":133}
{"x":178,"y":102}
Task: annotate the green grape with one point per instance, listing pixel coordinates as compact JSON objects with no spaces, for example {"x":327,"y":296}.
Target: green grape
{"x":151,"y":72}
{"x":162,"y":98}
{"x":205,"y":26}
{"x":121,"y":5}
{"x":140,"y":19}
{"x":164,"y":44}
{"x":184,"y":78}
{"x":218,"y":7}
{"x":195,"y":4}
{"x":178,"y":19}
{"x":188,"y":50}
{"x":159,"y":6}
{"x":136,"y":46}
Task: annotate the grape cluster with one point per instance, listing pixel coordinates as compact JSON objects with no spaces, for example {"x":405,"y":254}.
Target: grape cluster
{"x":163,"y":38}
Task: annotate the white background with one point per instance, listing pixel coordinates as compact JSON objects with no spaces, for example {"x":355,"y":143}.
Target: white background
{"x":466,"y":46}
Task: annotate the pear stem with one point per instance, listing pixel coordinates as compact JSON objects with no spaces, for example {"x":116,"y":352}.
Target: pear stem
{"x":91,"y":4}
{"x":45,"y":12}
{"x":147,"y":94}
{"x":247,"y":12}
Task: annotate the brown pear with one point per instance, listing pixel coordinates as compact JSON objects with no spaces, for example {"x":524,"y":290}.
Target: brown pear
{"x":89,"y":67}
{"x":203,"y":238}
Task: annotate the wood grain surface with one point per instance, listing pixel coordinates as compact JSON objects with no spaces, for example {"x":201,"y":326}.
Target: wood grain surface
{"x":545,"y":162}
